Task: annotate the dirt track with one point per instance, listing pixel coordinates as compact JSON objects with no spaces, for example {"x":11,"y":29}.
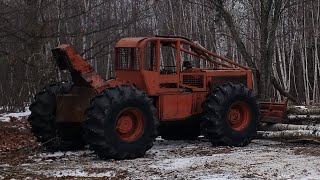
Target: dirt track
{"x":262,"y":159}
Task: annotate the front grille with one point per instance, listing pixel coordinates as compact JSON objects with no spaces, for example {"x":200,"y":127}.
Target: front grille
{"x":193,"y":80}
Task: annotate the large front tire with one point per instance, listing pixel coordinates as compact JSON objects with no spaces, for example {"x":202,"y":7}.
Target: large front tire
{"x":231,"y":115}
{"x":121,"y":123}
{"x":53,"y":136}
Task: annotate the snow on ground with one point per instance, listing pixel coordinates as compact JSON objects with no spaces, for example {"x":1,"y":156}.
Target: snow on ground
{"x":5,"y":117}
{"x":262,"y":159}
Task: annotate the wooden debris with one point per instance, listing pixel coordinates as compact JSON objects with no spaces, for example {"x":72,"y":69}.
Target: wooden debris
{"x":16,"y":135}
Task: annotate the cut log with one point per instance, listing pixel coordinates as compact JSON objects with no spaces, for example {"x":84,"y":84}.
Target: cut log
{"x":290,"y":135}
{"x":303,"y":110}
{"x":283,"y":127}
{"x":304,"y":117}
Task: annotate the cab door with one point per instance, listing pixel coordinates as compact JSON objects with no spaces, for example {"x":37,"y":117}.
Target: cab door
{"x":169,"y":66}
{"x":175,"y":104}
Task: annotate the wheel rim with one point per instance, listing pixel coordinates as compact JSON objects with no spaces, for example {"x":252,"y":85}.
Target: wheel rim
{"x":239,"y":115}
{"x":130,"y":124}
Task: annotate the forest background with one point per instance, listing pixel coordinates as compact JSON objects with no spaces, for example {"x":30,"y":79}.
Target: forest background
{"x":280,"y":38}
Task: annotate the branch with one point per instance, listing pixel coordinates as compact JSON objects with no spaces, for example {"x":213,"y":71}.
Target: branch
{"x":278,"y":87}
{"x":291,"y":3}
{"x":234,"y":33}
{"x":3,"y":53}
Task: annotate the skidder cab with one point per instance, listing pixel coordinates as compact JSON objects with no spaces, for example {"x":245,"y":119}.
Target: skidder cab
{"x":167,"y":86}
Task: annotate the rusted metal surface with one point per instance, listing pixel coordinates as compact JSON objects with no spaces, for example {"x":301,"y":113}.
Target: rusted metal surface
{"x":81,"y":71}
{"x":130,"y":42}
{"x":71,"y":107}
{"x":274,"y":112}
{"x":178,"y":107}
{"x":175,"y":106}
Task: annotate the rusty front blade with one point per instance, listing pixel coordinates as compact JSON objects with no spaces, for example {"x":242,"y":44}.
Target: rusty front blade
{"x":274,"y":112}
{"x":71,"y":107}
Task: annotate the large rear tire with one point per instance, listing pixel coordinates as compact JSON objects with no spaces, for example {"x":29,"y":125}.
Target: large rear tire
{"x":43,"y":121}
{"x":231,"y":115}
{"x":121,"y":123}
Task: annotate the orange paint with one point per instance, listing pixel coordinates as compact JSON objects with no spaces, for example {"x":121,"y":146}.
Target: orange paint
{"x":239,"y":115}
{"x":178,"y":91}
{"x":129,"y":125}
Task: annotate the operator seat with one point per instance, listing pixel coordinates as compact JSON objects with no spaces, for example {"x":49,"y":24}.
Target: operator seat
{"x":189,"y":68}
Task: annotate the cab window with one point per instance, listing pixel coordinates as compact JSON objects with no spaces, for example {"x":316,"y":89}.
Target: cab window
{"x":168,"y":58}
{"x":127,"y":58}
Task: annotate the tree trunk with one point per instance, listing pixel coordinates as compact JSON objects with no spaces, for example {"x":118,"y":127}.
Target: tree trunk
{"x":296,"y":135}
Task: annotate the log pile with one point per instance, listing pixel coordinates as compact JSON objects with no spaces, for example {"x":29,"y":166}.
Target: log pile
{"x":304,"y":115}
{"x":303,"y":110}
{"x":304,"y":125}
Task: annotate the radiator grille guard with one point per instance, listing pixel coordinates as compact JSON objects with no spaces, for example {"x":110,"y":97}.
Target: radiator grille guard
{"x":193,"y":80}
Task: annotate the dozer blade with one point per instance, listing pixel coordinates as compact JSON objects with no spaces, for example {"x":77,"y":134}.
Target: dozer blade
{"x":71,"y":106}
{"x":274,"y":112}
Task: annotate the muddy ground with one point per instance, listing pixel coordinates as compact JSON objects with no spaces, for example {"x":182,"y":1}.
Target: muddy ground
{"x":22,"y":158}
